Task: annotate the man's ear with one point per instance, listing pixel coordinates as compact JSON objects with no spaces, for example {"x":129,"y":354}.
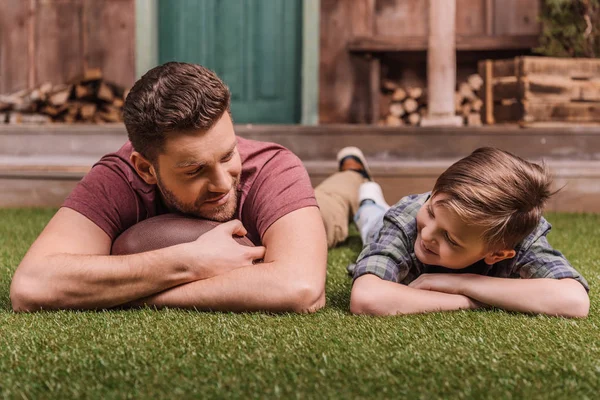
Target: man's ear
{"x":499,"y":255}
{"x":144,"y":168}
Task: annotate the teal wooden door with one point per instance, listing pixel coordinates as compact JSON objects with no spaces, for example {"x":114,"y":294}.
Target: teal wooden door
{"x":253,"y":45}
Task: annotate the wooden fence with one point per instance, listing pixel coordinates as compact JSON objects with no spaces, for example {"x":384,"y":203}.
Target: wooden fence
{"x":56,"y":40}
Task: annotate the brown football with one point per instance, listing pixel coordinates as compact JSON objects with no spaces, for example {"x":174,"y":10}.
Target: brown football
{"x":164,"y":231}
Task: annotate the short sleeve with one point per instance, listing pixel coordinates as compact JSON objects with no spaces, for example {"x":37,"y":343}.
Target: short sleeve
{"x":282,"y":186}
{"x":543,"y":261}
{"x":105,"y":197}
{"x":387,"y":255}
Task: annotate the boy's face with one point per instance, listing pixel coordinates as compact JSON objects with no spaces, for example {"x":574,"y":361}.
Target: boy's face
{"x":443,"y":239}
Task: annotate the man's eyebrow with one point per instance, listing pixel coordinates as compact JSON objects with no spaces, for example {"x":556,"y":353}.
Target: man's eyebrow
{"x":230,"y":151}
{"x":190,"y":163}
{"x":200,"y":164}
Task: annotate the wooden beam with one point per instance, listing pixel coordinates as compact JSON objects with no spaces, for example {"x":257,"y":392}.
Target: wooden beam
{"x":463,"y":43}
{"x":441,"y":64}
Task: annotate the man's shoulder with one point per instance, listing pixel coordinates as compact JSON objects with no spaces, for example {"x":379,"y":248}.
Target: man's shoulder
{"x":257,"y":152}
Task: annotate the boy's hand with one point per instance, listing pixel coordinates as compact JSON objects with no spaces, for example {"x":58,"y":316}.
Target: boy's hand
{"x":446,"y":283}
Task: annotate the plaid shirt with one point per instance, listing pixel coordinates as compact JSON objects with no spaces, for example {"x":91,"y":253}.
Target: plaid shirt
{"x":389,"y":252}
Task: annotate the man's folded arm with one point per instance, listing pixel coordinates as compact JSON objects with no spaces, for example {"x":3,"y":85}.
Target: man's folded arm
{"x":292,"y":277}
{"x":69,"y":266}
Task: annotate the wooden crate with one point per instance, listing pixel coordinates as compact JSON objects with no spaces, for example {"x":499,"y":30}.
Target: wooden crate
{"x":541,"y":89}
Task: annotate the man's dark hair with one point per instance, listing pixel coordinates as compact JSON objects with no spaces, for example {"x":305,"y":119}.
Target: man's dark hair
{"x":173,"y":97}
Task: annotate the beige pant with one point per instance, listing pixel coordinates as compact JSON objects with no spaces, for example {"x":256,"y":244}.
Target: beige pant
{"x":337,"y":197}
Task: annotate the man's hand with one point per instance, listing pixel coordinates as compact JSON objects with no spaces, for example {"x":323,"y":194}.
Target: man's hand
{"x":446,"y":283}
{"x":216,"y":252}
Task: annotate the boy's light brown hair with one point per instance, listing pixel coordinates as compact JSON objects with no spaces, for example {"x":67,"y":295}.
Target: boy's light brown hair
{"x":498,"y":191}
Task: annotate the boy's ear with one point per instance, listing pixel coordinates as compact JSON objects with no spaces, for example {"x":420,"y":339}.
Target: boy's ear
{"x":499,"y":255}
{"x":144,"y":168}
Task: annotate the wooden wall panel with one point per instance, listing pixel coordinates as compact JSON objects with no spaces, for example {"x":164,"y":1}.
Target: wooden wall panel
{"x":516,"y":17}
{"x":470,"y":17}
{"x":401,"y":17}
{"x":55,"y":40}
{"x":109,"y":39}
{"x":340,"y":98}
{"x":58,"y":41}
{"x":14,"y":58}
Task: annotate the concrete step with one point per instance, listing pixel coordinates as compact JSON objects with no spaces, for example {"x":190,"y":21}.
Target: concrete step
{"x":45,"y":181}
{"x":323,"y":142}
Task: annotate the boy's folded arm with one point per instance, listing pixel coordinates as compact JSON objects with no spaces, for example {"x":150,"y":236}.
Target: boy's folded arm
{"x":558,"y":297}
{"x":374,"y":296}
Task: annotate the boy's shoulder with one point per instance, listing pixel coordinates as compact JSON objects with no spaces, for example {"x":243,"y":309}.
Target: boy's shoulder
{"x":542,"y":229}
{"x":405,"y":211}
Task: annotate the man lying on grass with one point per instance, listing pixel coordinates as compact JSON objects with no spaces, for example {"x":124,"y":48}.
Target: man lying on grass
{"x":184,"y":157}
{"x":462,"y":245}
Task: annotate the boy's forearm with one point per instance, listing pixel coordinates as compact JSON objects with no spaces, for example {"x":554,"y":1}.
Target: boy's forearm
{"x":559,"y":297}
{"x":374,"y":296}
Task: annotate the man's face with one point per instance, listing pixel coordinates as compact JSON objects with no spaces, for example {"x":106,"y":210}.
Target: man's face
{"x":443,"y":239}
{"x":198,"y":172}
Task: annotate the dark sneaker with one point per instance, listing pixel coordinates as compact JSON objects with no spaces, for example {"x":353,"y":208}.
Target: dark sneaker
{"x":352,"y":159}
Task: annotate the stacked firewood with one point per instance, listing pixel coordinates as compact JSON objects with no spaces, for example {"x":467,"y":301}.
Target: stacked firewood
{"x":402,"y":105}
{"x":87,"y":99}
{"x":407,"y":105}
{"x":467,"y":100}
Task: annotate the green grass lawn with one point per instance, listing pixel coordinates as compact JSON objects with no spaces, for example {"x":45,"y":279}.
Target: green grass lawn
{"x":331,"y":354}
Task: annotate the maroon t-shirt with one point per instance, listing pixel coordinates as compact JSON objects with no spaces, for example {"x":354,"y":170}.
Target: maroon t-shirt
{"x":272,"y":184}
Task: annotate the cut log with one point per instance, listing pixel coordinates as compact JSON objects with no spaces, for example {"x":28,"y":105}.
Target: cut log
{"x":414,"y":119}
{"x":389,"y":85}
{"x":477,"y":105}
{"x":110,"y":114}
{"x":474,"y":119}
{"x":89,"y":75}
{"x":59,"y":95}
{"x":399,"y":94}
{"x":105,"y":93}
{"x":475,"y":82}
{"x":466,"y":92}
{"x":410,"y":105}
{"x":392,"y":120}
{"x":414,"y":92}
{"x":396,"y":109}
{"x":87,"y":111}
{"x":83,"y":91}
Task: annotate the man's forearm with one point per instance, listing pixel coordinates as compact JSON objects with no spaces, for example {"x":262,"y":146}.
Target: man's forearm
{"x":374,"y":296}
{"x":96,"y":281}
{"x":261,"y":287}
{"x":562,"y":297}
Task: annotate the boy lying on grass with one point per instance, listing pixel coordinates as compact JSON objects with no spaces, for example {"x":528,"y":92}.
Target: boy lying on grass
{"x":462,"y":245}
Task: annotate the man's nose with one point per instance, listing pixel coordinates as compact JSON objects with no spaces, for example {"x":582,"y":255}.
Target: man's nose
{"x":220,"y":181}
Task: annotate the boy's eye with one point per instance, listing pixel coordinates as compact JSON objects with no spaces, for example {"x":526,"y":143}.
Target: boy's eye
{"x":430,"y":212}
{"x":454,"y":244}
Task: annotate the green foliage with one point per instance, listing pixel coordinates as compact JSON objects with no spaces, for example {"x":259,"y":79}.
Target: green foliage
{"x":166,"y":354}
{"x":570,"y":28}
